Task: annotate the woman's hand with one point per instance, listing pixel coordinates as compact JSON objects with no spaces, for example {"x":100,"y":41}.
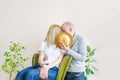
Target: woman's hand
{"x":45,"y":68}
{"x":44,"y":72}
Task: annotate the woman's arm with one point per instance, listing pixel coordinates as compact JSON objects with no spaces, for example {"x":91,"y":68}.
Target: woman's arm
{"x":40,"y":58}
{"x":43,"y":73}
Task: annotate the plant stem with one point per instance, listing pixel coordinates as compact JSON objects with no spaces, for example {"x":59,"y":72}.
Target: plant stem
{"x":10,"y":75}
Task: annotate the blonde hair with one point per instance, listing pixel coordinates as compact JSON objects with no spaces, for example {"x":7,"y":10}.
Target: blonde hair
{"x":53,"y":30}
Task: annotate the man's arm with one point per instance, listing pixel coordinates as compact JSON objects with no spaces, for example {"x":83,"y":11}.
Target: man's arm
{"x":82,"y":50}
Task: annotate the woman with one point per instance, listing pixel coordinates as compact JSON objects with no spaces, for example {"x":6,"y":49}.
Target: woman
{"x":46,"y":68}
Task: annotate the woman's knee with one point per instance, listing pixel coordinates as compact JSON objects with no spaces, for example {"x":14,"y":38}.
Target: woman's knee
{"x":32,"y":73}
{"x":19,"y":76}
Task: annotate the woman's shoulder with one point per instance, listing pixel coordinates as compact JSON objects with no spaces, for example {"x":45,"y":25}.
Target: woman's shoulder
{"x":43,"y":43}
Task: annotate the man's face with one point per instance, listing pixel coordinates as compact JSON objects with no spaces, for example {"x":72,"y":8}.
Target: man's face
{"x":65,"y":29}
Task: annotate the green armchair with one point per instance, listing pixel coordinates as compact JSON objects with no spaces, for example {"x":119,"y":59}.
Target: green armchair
{"x":35,"y":58}
{"x":62,"y":68}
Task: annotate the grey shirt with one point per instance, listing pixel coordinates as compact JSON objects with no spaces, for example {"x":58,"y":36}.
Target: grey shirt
{"x":78,"y":51}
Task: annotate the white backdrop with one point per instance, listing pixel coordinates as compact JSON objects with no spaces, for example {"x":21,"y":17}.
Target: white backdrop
{"x":27,"y":22}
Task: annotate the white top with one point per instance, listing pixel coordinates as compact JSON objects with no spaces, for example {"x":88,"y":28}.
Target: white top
{"x":52,"y":52}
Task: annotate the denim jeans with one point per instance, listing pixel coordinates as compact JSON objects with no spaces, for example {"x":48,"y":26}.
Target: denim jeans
{"x":74,"y":76}
{"x":32,"y":73}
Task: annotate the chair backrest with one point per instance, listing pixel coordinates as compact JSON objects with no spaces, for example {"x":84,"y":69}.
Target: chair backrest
{"x":35,"y":58}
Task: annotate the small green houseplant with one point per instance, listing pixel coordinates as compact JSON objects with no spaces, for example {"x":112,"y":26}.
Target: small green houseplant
{"x":13,"y":59}
{"x":90,"y":68}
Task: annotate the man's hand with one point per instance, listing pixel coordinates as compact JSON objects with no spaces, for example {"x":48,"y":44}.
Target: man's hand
{"x":64,"y":47}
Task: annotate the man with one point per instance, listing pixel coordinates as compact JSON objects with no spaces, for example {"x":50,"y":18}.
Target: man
{"x":77,"y":51}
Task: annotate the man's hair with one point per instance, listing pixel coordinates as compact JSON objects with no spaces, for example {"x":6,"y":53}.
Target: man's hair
{"x":67,"y":23}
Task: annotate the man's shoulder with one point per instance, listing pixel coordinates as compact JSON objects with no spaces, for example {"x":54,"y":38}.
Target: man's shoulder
{"x":80,"y":37}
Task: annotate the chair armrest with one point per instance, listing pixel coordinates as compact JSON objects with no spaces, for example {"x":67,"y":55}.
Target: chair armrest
{"x":63,"y":67}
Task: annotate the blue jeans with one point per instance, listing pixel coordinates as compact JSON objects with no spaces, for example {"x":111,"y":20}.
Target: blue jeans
{"x":74,"y":76}
{"x":32,"y":73}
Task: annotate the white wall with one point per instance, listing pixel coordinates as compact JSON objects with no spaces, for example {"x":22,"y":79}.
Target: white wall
{"x":27,"y":22}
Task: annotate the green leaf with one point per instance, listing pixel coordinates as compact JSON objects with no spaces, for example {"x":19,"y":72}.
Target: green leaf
{"x":7,"y":54}
{"x":21,"y":58}
{"x":12,"y":48}
{"x":88,"y":49}
{"x":88,"y":71}
{"x":87,"y":60}
{"x":24,"y":59}
{"x":85,"y":78}
{"x":4,"y":68}
{"x":92,"y":53}
{"x":23,"y":47}
{"x":92,"y":72}
{"x":7,"y":59}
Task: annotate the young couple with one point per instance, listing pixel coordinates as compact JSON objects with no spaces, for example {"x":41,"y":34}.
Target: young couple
{"x":48,"y":69}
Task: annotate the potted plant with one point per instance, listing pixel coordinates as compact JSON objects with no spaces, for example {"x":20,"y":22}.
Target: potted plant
{"x":13,"y":58}
{"x":90,"y":68}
